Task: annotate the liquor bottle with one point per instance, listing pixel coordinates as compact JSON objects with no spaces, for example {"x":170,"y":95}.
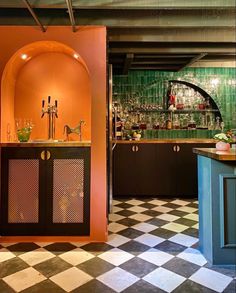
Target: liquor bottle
{"x":169,"y":122}
{"x":117,"y":127}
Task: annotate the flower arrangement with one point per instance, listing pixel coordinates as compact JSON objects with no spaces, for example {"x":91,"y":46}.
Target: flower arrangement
{"x":225,"y":137}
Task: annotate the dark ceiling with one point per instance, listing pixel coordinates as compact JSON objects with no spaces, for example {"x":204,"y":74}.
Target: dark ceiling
{"x":155,"y":34}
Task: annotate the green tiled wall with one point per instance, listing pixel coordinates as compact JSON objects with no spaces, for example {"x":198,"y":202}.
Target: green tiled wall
{"x":150,"y":86}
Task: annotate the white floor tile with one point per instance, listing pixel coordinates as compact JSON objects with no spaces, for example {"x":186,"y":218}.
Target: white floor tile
{"x":193,"y":217}
{"x":196,"y":226}
{"x":116,"y":209}
{"x":134,"y":202}
{"x":136,"y":209}
{"x":36,"y":256}
{"x":175,"y":227}
{"x":149,"y":239}
{"x":115,"y":217}
{"x":156,"y":256}
{"x":157,"y":202}
{"x":187,"y":209}
{"x":24,"y":279}
{"x":115,"y":227}
{"x":140,"y":217}
{"x":115,"y":202}
{"x":76,"y":256}
{"x":144,"y":227}
{"x":164,"y":279}
{"x":71,"y":279}
{"x":6,"y":244}
{"x":117,"y":240}
{"x":5,"y":254}
{"x":193,"y":255}
{"x":168,"y":217}
{"x":180,"y":202}
{"x":42,"y":244}
{"x":211,"y":279}
{"x":116,"y":256}
{"x":118,"y":279}
{"x":161,"y":209}
{"x":184,"y":239}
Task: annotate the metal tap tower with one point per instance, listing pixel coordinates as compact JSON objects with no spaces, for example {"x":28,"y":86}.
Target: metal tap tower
{"x":51,"y":110}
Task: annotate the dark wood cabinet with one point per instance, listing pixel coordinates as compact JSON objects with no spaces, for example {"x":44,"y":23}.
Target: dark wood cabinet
{"x":45,"y":191}
{"x":162,"y":169}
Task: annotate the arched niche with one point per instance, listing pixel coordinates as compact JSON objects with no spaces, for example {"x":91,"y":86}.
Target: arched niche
{"x":49,"y":69}
{"x":200,"y":90}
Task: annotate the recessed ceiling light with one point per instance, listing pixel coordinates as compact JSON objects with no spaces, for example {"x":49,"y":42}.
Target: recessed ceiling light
{"x":24,"y":56}
{"x":76,"y":56}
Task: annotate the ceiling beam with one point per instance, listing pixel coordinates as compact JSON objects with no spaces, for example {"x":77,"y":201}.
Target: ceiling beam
{"x":43,"y":29}
{"x":127,"y":4}
{"x":174,"y":19}
{"x":128,"y":62}
{"x":193,"y":60}
{"x":71,"y":14}
{"x":172,"y":35}
{"x":173,"y":50}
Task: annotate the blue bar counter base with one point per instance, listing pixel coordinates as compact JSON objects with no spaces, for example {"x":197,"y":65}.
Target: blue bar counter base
{"x":217,"y":205}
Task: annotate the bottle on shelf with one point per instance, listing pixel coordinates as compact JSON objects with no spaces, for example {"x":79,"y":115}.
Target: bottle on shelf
{"x":169,"y":122}
{"x":192,"y":123}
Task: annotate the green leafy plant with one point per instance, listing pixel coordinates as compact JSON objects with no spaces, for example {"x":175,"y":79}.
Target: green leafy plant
{"x":225,"y":137}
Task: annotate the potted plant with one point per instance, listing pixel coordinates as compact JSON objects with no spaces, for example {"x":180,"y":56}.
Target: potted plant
{"x":223,"y":140}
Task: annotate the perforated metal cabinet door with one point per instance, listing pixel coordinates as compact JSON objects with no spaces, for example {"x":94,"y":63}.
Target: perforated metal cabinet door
{"x":68,"y":190}
{"x":20,"y":191}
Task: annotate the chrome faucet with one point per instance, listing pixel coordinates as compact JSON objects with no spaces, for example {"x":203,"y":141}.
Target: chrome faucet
{"x":78,"y":130}
{"x":51,"y":110}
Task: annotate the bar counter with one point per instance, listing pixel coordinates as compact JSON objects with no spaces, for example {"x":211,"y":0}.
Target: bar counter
{"x":215,"y":154}
{"x":47,"y":144}
{"x":217,"y":204}
{"x":166,"y":140}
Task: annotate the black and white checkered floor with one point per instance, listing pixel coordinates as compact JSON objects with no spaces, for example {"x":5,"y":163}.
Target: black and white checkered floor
{"x":152,"y":247}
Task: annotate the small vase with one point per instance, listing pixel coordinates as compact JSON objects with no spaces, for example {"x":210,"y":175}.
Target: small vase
{"x":222,"y":146}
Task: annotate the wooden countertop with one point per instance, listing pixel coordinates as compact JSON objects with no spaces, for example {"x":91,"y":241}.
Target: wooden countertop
{"x":166,"y":140}
{"x":215,"y":154}
{"x":47,"y":144}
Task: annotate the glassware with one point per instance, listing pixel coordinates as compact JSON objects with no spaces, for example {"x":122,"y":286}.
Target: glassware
{"x":23,"y":129}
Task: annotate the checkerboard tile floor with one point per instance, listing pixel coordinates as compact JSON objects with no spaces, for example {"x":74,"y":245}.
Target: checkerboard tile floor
{"x":152,"y":247}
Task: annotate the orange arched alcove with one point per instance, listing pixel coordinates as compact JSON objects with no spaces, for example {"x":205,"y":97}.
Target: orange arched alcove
{"x":49,"y":69}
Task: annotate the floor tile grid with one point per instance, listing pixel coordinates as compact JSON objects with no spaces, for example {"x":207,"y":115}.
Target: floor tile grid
{"x":152,"y":247}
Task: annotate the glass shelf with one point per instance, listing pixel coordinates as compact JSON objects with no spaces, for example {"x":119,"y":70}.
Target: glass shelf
{"x":176,"y":111}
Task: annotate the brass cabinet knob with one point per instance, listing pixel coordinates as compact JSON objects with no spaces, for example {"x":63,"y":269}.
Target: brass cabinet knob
{"x":45,"y":155}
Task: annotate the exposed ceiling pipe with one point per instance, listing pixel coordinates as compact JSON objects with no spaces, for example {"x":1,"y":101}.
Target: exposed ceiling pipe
{"x":43,"y":29}
{"x":71,"y":13}
{"x":193,"y":60}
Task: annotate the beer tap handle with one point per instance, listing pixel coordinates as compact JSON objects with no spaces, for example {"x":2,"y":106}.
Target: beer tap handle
{"x":43,"y":103}
{"x":49,"y":100}
{"x":56,"y":103}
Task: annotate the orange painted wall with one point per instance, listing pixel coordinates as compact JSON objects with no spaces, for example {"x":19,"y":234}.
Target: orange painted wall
{"x":64,"y":79}
{"x":90,"y":43}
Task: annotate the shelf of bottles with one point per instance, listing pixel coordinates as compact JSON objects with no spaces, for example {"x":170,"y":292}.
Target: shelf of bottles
{"x":181,"y":112}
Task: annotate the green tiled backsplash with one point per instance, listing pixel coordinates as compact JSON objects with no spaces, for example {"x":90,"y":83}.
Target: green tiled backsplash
{"x":151,"y":86}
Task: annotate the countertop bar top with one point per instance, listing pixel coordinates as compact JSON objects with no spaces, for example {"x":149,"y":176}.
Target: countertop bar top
{"x":47,"y":144}
{"x":215,"y":154}
{"x":166,"y":140}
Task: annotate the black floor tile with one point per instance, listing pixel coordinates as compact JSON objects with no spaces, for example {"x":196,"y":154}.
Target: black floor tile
{"x":191,"y":287}
{"x":93,"y":286}
{"x":59,"y":247}
{"x":170,"y":247}
{"x":45,"y":286}
{"x":52,"y":266}
{"x":134,"y":247}
{"x":96,"y":247}
{"x":231,"y":288}
{"x":151,"y":213}
{"x":12,"y":266}
{"x":191,"y":232}
{"x":164,"y":233}
{"x":178,"y":213}
{"x":181,"y":267}
{"x":186,"y":222}
{"x":130,"y":233}
{"x":157,"y":222}
{"x":142,"y":287}
{"x":147,"y":205}
{"x":128,"y":222}
{"x":22,"y":247}
{"x":138,"y":267}
{"x":225,"y":270}
{"x":125,"y":213}
{"x":95,"y":267}
{"x":124,"y":205}
{"x":171,"y":205}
